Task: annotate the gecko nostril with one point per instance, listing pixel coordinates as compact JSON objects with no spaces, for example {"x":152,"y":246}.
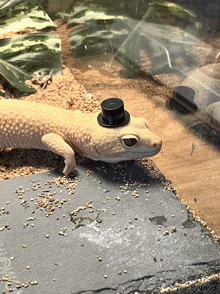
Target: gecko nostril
{"x":157,"y":145}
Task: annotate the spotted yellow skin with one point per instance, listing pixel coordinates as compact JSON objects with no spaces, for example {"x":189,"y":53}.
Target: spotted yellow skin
{"x":26,"y":124}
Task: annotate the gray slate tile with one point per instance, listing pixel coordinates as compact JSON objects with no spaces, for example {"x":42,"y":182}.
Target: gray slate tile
{"x":131,"y":236}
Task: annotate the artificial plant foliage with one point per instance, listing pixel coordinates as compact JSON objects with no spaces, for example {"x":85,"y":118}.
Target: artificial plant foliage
{"x":100,"y":32}
{"x":84,"y":14}
{"x":32,"y":52}
{"x":16,"y":76}
{"x":21,"y":56}
{"x":97,"y":39}
{"x":19,"y":14}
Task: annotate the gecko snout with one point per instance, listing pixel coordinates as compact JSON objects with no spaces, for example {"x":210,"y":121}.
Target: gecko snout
{"x":157,"y":143}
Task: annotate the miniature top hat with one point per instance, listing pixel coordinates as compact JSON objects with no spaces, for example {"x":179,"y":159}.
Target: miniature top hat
{"x":113,"y":114}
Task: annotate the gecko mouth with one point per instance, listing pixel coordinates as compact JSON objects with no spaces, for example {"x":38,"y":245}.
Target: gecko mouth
{"x":117,"y":157}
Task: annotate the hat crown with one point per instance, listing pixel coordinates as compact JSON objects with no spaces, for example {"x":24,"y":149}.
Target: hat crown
{"x":112,"y":113}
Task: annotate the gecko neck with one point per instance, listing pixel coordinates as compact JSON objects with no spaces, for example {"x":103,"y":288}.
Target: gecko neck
{"x":80,"y":138}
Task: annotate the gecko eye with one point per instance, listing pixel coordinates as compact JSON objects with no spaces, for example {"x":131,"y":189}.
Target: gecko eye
{"x":129,"y":141}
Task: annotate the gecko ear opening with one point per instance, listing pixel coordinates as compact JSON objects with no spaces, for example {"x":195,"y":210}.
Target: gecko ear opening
{"x":113,"y":114}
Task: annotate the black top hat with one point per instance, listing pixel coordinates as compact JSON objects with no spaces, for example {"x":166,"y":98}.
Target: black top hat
{"x":113,"y":114}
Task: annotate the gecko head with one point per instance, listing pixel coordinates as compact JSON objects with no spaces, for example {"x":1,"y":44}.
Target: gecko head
{"x":128,"y":142}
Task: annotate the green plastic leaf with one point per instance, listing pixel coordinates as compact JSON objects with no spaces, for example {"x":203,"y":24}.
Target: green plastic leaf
{"x":102,"y":33}
{"x":20,"y":14}
{"x":96,"y":40}
{"x":165,"y":12}
{"x":33,"y":52}
{"x":84,"y":14}
{"x":15,"y":76}
{"x":174,"y":9}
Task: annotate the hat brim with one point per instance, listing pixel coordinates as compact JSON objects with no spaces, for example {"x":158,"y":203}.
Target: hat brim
{"x":114,"y":124}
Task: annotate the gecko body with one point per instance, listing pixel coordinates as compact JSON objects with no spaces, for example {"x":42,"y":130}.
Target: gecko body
{"x":30,"y":125}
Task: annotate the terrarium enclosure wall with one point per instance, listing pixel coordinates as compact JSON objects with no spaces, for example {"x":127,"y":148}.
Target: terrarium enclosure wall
{"x":162,"y":59}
